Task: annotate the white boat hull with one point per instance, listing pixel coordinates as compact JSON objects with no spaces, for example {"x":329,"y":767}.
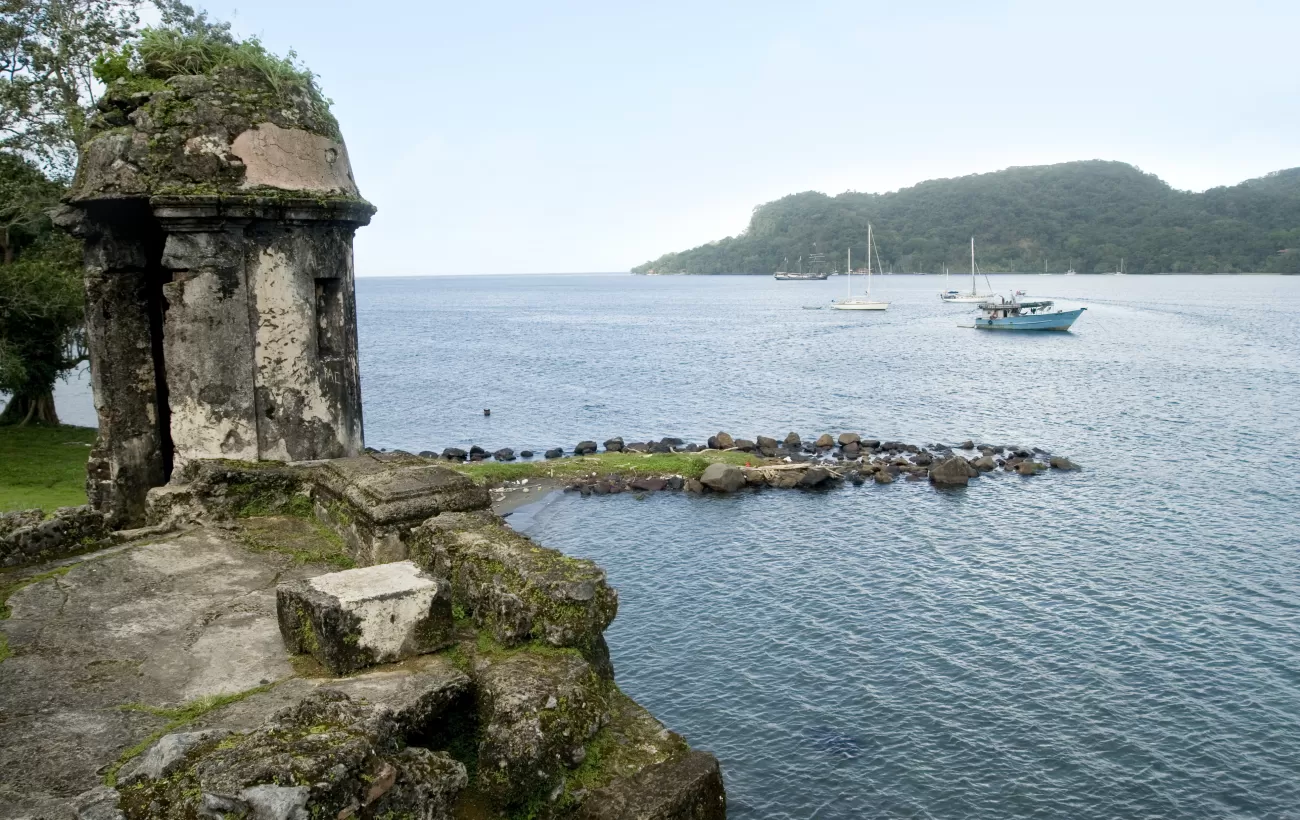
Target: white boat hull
{"x":966,"y":298}
{"x":858,"y":305}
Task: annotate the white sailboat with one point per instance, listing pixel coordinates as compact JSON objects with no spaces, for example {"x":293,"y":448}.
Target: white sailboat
{"x":851,"y":302}
{"x":1120,"y":272}
{"x":974,"y":295}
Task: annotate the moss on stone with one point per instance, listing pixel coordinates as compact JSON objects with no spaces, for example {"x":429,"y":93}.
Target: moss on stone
{"x":176,"y":718}
{"x":8,"y":590}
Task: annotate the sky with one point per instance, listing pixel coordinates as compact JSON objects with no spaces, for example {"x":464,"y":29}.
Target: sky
{"x":561,"y":137}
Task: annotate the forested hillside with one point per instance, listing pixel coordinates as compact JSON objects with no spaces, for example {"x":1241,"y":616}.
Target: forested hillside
{"x":1085,"y":215}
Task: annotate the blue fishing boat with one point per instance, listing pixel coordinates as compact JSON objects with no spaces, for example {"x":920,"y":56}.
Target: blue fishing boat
{"x":1027,"y":315}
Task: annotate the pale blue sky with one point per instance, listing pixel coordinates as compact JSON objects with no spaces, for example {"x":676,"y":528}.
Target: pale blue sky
{"x":570,"y":137}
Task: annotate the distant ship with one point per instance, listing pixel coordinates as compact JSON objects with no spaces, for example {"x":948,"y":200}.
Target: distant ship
{"x":815,"y":261}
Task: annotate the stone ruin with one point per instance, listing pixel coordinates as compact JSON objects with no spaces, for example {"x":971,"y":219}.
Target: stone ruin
{"x":218,"y":218}
{"x":455,"y":669}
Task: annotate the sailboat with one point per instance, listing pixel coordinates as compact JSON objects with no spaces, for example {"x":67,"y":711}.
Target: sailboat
{"x":1120,"y":272}
{"x":851,"y":302}
{"x":974,"y":295}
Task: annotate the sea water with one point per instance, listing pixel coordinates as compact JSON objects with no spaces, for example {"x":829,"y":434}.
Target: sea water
{"x":1123,"y":641}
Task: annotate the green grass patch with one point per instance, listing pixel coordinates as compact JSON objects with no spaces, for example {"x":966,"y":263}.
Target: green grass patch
{"x":9,"y":589}
{"x":305,"y":540}
{"x":689,"y":465}
{"x":176,"y":719}
{"x":43,"y":466}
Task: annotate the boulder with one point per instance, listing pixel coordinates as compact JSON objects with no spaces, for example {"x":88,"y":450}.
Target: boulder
{"x":855,"y":478}
{"x":1062,"y":463}
{"x":691,"y":448}
{"x":984,"y":464}
{"x":166,"y":756}
{"x":360,"y":617}
{"x":723,"y":478}
{"x":767,"y":446}
{"x":923,"y":459}
{"x":870,"y":443}
{"x":537,"y":711}
{"x":693,"y":485}
{"x":755,"y":478}
{"x":454,"y":454}
{"x":515,"y":590}
{"x":824,"y":442}
{"x":504,"y":454}
{"x":792,"y":441}
{"x":952,"y":472}
{"x":849,"y":438}
{"x":344,"y":756}
{"x":723,"y":441}
{"x":852,"y":450}
{"x":745,"y":445}
{"x":672,"y":441}
{"x":525,"y":453}
{"x":675,"y":482}
{"x":659,"y":447}
{"x":814,"y":477}
{"x":967,"y":445}
{"x":477,"y":451}
{"x":884,"y":477}
{"x":648,"y":485}
{"x":585,"y":448}
{"x":614,"y":445}
{"x":554,"y":452}
{"x":689,"y":788}
{"x":1028,"y":468}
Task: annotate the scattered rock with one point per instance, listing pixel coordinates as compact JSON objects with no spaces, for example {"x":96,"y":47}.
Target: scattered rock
{"x":855,"y":478}
{"x":923,"y":459}
{"x":849,"y":438}
{"x":744,"y":445}
{"x":792,"y":441}
{"x":984,"y":464}
{"x":1062,"y":463}
{"x":884,"y":477}
{"x":755,"y":478}
{"x":814,"y":477}
{"x":554,"y":452}
{"x":723,"y":441}
{"x":649,"y":485}
{"x":723,"y":478}
{"x":585,"y":448}
{"x":953,"y":472}
{"x":477,"y":451}
{"x":614,"y":445}
{"x":825,"y":442}
{"x":504,"y":454}
{"x":1028,"y":468}
{"x":693,"y":485}
{"x":672,"y":441}
{"x":870,"y":443}
{"x":675,"y":482}
{"x":659,"y":447}
{"x":967,"y":445}
{"x":454,"y":454}
{"x":525,"y":453}
{"x":852,"y":450}
{"x":767,"y":446}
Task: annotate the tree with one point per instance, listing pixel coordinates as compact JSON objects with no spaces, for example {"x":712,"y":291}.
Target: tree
{"x":41,"y":318}
{"x":25,"y":196}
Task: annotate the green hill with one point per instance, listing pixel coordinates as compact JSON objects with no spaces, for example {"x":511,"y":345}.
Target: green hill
{"x":1081,"y":214}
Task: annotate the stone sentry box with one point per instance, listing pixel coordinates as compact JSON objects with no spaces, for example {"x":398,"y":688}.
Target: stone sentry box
{"x":218,"y":219}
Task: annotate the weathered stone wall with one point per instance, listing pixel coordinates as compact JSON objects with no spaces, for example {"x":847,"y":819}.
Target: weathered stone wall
{"x":27,"y":536}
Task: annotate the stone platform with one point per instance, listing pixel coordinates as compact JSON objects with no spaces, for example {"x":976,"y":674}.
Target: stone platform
{"x":157,"y":639}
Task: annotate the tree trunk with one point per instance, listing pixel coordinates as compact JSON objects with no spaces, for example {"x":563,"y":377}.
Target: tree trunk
{"x":28,"y":408}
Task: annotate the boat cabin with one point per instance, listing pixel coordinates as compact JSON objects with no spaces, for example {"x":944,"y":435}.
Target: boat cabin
{"x":1002,"y":309}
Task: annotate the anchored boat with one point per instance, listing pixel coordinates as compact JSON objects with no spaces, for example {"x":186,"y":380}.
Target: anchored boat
{"x":1027,"y":315}
{"x":851,"y":302}
{"x":956,"y":297}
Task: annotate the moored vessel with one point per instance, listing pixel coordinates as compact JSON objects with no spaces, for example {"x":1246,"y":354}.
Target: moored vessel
{"x":956,"y":297}
{"x":1027,"y":315}
{"x":851,"y":302}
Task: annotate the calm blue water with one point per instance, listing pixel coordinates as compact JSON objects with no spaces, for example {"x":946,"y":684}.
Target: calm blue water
{"x":1120,"y":642}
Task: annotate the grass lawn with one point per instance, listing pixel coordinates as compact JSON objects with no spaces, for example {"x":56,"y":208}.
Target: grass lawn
{"x":43,"y":466}
{"x":626,"y":464}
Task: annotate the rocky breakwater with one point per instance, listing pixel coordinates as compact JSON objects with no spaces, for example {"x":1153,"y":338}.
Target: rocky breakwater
{"x":470,"y":679}
{"x":824,"y":461}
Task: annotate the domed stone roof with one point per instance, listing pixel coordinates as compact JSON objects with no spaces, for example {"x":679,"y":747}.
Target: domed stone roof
{"x":230,"y":133}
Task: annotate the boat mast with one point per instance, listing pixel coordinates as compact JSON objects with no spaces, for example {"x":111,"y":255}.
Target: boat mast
{"x":871,"y":244}
{"x":973,"y":288}
{"x":849,"y":274}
